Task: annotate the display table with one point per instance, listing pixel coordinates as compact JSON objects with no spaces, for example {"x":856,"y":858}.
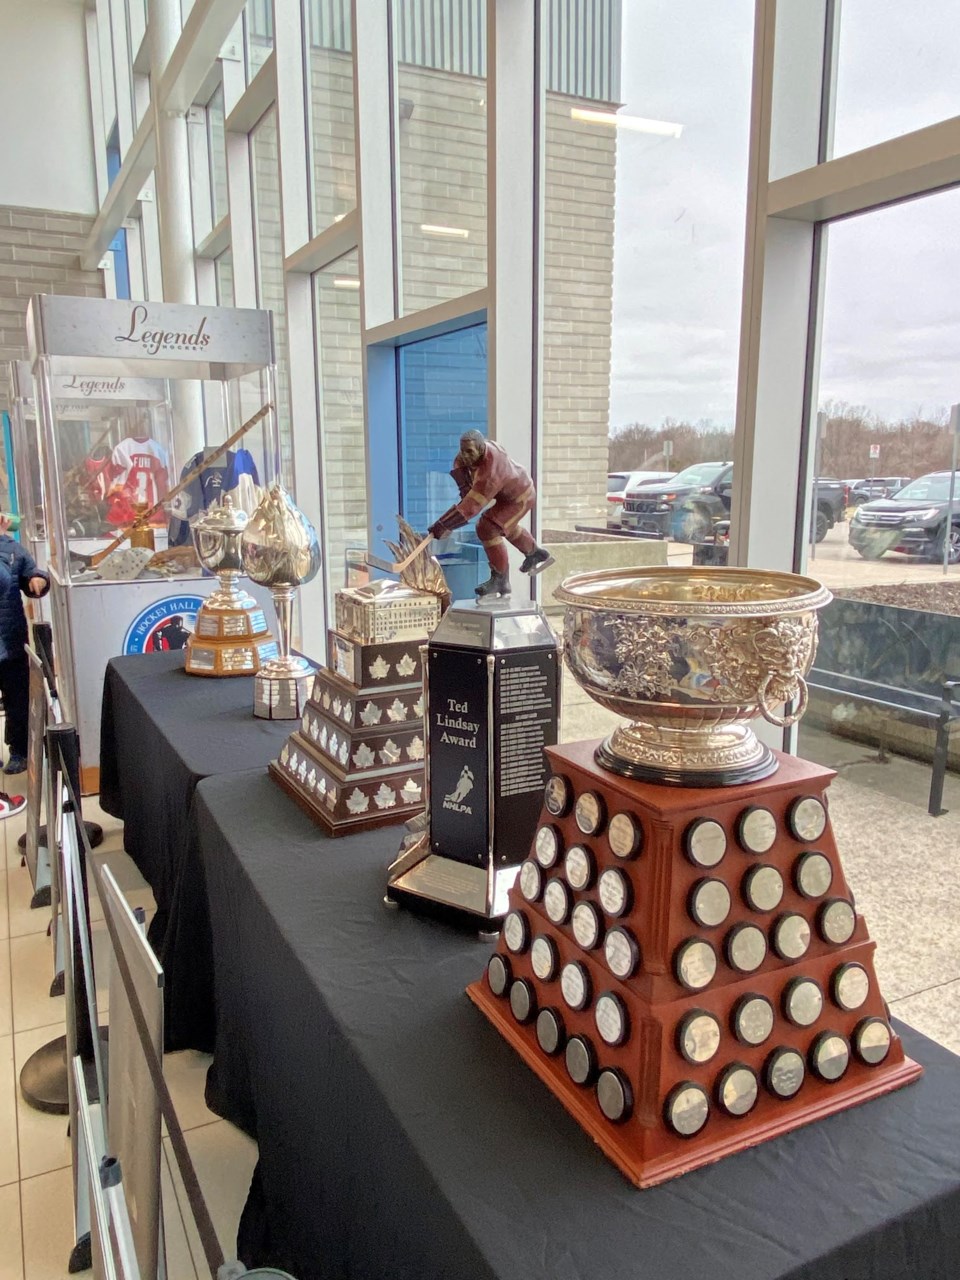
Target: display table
{"x":401,"y":1137}
{"x":162,"y":732}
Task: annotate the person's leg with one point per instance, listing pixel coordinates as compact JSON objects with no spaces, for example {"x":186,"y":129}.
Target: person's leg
{"x":535,"y":559}
{"x":490,"y":533}
{"x":15,"y":688}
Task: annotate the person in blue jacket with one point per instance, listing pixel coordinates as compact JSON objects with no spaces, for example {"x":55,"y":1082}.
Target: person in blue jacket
{"x":18,"y":572}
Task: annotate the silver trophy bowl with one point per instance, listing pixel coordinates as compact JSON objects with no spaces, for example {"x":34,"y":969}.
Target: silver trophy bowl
{"x":690,"y":657}
{"x":218,"y":537}
{"x":281,"y":552}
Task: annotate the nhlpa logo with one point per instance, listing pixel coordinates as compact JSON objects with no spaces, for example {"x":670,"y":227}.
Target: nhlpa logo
{"x":459,"y":793}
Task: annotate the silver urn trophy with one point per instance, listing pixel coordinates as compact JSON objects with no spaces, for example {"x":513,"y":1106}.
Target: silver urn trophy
{"x":281,"y":552}
{"x":690,"y":657}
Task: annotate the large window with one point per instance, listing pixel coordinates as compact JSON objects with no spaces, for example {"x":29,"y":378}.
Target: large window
{"x":646,"y":137}
{"x":441,"y":117}
{"x":330,"y":106}
{"x":336,"y":293}
{"x":257,"y":35}
{"x":217,"y":150}
{"x":268,"y":244}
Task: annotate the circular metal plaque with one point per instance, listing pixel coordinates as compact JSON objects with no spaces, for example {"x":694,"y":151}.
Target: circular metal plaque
{"x":784,"y":1072}
{"x":753,"y":1019}
{"x":830,"y":1055}
{"x":837,"y":920}
{"x":612,"y":1019}
{"x":705,"y":842}
{"x":498,"y":974}
{"x":546,"y":846}
{"x":575,"y":985}
{"x":556,"y":901}
{"x":614,"y":1095}
{"x":581,"y":1060}
{"x":850,"y":986}
{"x":625,"y":835}
{"x":589,"y":813}
{"x":587,"y":925}
{"x":871,"y":1040}
{"x":621,"y":953}
{"x":698,"y":1036}
{"x":709,"y":903}
{"x":803,"y":1002}
{"x":523,"y":1001}
{"x":557,"y":795}
{"x":614,"y":892}
{"x":762,"y":888}
{"x":757,"y":829}
{"x":813,"y":875}
{"x":695,"y":964}
{"x":807,"y":819}
{"x":550,"y":1031}
{"x":687,"y":1108}
{"x":737,"y":1089}
{"x":515,"y":932}
{"x":544,"y":959}
{"x":746,"y":948}
{"x":578,"y":865}
{"x":791,"y":937}
{"x":531,"y":881}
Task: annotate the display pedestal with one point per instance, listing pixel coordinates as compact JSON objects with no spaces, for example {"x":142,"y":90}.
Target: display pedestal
{"x":492,"y":706}
{"x":746,"y":1002}
{"x":356,"y":760}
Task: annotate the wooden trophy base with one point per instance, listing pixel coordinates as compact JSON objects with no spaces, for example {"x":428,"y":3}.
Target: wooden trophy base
{"x":746,"y":1003}
{"x":336,"y":818}
{"x":229,"y":642}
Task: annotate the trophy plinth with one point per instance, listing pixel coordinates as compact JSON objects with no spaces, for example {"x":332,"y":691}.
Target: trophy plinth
{"x":231,"y":637}
{"x":684,"y":967}
{"x":280,"y":551}
{"x":357,"y":759}
{"x":492,"y":684}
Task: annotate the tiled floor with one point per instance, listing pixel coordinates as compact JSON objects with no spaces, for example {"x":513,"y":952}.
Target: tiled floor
{"x":901,"y":864}
{"x":36,"y":1211}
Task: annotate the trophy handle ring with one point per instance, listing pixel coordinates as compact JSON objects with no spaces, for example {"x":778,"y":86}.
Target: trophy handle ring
{"x":784,"y":721}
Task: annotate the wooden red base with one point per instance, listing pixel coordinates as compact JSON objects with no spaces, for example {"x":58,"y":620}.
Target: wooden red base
{"x":644,"y":1146}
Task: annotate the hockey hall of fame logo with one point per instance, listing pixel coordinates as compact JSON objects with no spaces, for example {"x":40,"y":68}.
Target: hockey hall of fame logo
{"x":164,"y":625}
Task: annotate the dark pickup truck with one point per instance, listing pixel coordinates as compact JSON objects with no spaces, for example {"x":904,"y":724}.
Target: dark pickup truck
{"x":690,"y":506}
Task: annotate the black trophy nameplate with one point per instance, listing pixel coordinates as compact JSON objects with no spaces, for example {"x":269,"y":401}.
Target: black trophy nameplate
{"x":492,"y":705}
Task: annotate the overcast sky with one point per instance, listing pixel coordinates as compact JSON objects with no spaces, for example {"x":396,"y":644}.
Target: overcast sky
{"x":892,"y":322}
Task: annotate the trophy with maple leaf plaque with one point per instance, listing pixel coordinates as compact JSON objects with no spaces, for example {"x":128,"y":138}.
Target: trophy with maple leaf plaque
{"x":357,"y":759}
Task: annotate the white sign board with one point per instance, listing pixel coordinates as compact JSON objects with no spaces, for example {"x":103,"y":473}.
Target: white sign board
{"x":874,"y":451}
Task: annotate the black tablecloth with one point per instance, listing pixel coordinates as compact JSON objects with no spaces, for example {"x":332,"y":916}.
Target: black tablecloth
{"x":402,"y":1139}
{"x":162,"y":731}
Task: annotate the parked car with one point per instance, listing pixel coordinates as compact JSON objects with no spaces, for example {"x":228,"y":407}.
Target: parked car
{"x":913,"y":521}
{"x":877,"y":487}
{"x":618,"y":482}
{"x":692,"y":505}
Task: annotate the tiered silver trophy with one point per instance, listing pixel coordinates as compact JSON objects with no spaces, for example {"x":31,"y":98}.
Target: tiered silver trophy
{"x":231,"y":635}
{"x":281,"y":552}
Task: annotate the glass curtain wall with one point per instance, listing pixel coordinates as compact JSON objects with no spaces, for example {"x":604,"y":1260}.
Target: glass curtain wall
{"x":332,"y":161}
{"x":645,"y":163}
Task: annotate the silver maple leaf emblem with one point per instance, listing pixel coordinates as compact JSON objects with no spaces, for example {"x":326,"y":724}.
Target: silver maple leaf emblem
{"x":406,"y":666}
{"x":386,"y":797}
{"x":284,"y":754}
{"x":363,"y":757}
{"x":396,"y":711}
{"x":323,"y":736}
{"x":370,"y":714}
{"x":337,"y":704}
{"x":326,"y":699}
{"x":342,"y":756}
{"x":418,"y":706}
{"x":312,"y":779}
{"x":332,"y":798}
{"x":347,"y":712}
{"x":379,"y":669}
{"x":415,"y":748}
{"x":334,"y":743}
{"x":410,"y":791}
{"x":389,"y":752}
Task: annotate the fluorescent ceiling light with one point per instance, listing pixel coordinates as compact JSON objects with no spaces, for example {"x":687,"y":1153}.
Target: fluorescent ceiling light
{"x":662,"y":128}
{"x":345,"y":282}
{"x":455,"y":233}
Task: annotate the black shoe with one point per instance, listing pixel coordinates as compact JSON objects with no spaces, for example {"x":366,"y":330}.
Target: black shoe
{"x":498,"y":584}
{"x":16,"y":764}
{"x":538,"y":560}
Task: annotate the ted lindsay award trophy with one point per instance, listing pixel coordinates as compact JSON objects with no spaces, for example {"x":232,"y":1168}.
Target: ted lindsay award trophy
{"x":231,"y":636}
{"x":682,"y":963}
{"x":281,"y":552}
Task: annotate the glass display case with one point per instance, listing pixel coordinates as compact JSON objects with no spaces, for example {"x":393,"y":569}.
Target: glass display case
{"x":25,"y":442}
{"x":144,"y":414}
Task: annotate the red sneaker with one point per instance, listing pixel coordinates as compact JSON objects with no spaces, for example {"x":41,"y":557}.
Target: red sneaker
{"x":9,"y":805}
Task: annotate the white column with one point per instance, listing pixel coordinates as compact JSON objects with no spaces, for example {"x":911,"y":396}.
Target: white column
{"x":175,"y":219}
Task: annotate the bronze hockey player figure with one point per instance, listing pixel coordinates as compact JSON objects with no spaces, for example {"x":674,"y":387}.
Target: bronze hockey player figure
{"x":485,"y":474}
